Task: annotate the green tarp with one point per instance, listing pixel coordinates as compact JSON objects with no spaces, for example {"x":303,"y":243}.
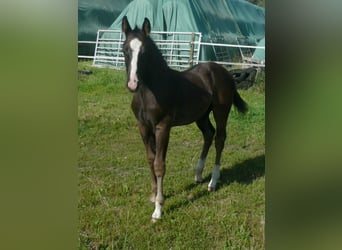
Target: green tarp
{"x":94,"y":15}
{"x":221,"y":21}
{"x":259,"y":54}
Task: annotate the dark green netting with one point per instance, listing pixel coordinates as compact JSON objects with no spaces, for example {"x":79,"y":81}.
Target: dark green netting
{"x":220,"y":21}
{"x":94,"y":15}
{"x":259,"y":54}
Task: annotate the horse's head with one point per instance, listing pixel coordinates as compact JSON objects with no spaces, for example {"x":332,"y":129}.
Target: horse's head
{"x":133,"y":49}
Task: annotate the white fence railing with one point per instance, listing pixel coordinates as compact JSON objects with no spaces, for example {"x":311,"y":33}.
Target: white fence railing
{"x":180,"y":49}
{"x":246,"y":60}
{"x":85,"y":43}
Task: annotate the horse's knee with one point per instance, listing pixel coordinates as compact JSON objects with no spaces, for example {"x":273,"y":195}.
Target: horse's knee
{"x":150,"y":160}
{"x":159,"y":168}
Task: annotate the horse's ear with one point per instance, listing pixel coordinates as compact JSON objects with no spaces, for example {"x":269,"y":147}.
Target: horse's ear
{"x":146,"y":27}
{"x":125,"y":25}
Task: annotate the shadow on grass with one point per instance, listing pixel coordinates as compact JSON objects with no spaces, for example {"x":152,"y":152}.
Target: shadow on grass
{"x":244,"y":173}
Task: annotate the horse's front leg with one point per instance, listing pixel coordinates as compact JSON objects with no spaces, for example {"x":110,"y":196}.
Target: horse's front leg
{"x":162,"y":141}
{"x":149,"y":140}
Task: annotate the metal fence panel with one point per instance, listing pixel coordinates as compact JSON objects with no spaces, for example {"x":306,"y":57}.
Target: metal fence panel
{"x":180,"y":49}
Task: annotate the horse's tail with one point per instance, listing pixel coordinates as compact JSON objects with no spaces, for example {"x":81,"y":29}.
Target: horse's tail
{"x":239,"y":103}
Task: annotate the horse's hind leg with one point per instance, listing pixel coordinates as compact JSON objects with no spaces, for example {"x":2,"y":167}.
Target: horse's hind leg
{"x":221,"y":113}
{"x":208,"y":132}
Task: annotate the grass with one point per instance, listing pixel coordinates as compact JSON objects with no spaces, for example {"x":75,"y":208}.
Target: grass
{"x":114,"y":178}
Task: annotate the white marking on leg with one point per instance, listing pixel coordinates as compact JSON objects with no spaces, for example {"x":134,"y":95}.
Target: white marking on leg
{"x":157,"y":214}
{"x":135,"y":45}
{"x":215,"y":175}
{"x":199,"y":169}
{"x":157,"y":211}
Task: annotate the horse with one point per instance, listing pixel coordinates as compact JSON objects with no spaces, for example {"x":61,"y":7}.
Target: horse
{"x":164,"y":98}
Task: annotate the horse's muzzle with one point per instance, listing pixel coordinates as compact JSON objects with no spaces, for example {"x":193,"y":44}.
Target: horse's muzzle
{"x":132,"y":85}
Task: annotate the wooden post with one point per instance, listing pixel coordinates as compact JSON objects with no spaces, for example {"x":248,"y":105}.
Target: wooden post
{"x":192,"y":47}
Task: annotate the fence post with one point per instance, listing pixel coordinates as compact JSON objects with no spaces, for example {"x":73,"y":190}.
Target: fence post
{"x":96,"y":45}
{"x":191,"y":58}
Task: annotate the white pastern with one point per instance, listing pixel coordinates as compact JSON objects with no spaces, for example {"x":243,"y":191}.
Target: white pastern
{"x":215,"y":175}
{"x":157,"y":211}
{"x":199,"y":170}
{"x":157,"y":214}
{"x":135,"y":45}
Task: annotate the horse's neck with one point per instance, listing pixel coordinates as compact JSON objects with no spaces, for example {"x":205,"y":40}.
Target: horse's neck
{"x":158,"y":73}
{"x":160,"y":84}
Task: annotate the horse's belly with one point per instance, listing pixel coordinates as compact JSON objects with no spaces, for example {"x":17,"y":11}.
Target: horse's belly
{"x":191,"y":111}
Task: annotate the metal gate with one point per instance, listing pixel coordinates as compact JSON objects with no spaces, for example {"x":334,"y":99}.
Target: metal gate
{"x":180,"y":49}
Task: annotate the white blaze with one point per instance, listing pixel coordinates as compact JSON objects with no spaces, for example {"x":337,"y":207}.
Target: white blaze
{"x":133,"y":79}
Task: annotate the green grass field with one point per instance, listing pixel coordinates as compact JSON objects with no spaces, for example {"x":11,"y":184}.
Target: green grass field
{"x":114,"y":178}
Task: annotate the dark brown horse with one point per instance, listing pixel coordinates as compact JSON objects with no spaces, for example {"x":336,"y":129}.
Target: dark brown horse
{"x":164,"y":98}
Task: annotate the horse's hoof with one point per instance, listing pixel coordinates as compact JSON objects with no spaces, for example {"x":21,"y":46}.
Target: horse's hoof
{"x":198,"y":179}
{"x":211,"y":189}
{"x":155,"y":220}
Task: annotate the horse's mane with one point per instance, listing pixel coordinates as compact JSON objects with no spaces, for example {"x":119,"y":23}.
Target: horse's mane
{"x":154,"y":53}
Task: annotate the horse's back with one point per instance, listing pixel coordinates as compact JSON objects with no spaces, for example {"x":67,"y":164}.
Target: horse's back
{"x":216,"y":79}
{"x":192,"y":99}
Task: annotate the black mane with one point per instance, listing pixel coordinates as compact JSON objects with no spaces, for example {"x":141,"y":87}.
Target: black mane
{"x":154,"y":53}
{"x":151,"y":61}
